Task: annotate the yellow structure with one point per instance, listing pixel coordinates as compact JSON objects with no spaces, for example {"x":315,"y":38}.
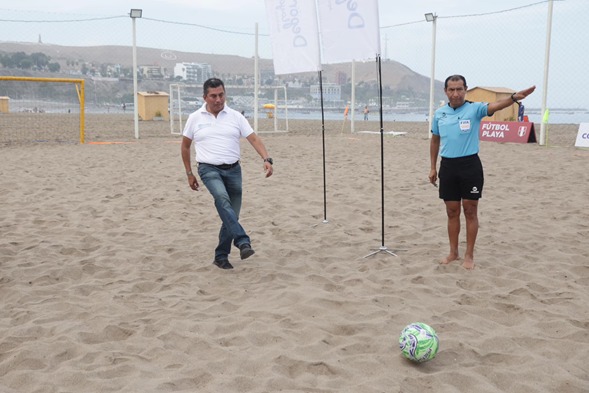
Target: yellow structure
{"x":4,"y":104}
{"x":153,"y":104}
{"x":492,"y":94}
{"x":80,"y":90}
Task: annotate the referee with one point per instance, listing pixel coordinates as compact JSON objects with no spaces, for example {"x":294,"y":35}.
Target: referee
{"x":455,"y":137}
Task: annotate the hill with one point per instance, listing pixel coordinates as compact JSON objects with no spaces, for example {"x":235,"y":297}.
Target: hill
{"x":395,"y":76}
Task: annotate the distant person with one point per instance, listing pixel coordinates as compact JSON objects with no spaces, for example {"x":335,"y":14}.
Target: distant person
{"x":366,"y":112}
{"x":346,"y":111}
{"x":455,"y":138}
{"x":124,"y":107}
{"x":216,"y":131}
{"x":521,"y":112}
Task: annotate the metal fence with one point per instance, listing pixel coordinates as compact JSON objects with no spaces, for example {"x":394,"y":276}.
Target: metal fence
{"x":475,"y":45}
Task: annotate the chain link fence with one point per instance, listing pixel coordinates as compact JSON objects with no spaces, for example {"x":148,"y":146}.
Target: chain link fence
{"x":98,"y":49}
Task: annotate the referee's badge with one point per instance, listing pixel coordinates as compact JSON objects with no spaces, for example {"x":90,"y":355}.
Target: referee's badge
{"x":464,"y":125}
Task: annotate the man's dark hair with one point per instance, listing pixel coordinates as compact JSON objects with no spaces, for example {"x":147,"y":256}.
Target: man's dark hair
{"x":454,"y":78}
{"x":212,"y":83}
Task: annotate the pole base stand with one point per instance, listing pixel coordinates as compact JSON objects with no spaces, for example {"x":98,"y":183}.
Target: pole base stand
{"x":383,"y":249}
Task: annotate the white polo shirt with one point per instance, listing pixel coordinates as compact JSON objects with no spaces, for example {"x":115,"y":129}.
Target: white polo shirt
{"x":216,"y":139}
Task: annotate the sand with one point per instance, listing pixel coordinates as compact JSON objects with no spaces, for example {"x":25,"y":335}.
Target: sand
{"x":107,"y":283}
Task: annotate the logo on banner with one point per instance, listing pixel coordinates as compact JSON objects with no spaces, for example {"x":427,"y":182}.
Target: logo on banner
{"x":349,"y":30}
{"x":295,"y":36}
{"x":289,"y":16}
{"x":355,"y":19}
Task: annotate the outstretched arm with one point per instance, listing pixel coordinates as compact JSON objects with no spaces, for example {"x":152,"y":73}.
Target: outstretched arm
{"x":505,"y":102}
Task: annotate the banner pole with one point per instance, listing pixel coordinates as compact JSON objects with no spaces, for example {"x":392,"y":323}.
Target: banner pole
{"x":382,"y":247}
{"x":256,"y":81}
{"x":323,"y":141}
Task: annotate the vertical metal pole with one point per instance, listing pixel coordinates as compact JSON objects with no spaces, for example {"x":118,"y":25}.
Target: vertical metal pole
{"x":82,"y":98}
{"x":325,"y":221}
{"x":256,"y":83}
{"x":180,"y":109}
{"x":546,"y":67}
{"x":275,"y":109}
{"x":432,"y":78}
{"x":135,"y":106}
{"x":382,"y":247}
{"x":171,"y":108}
{"x":353,"y":104}
{"x":286,"y":108}
{"x":381,"y":150}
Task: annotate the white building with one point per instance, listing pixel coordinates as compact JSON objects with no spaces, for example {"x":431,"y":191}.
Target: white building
{"x":194,"y":72}
{"x":152,"y":72}
{"x":331,"y":92}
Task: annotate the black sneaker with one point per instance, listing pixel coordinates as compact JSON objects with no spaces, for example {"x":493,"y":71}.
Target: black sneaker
{"x":246,"y":251}
{"x":223,"y":264}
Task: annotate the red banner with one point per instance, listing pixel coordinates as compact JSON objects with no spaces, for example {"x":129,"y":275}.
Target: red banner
{"x":507,"y":131}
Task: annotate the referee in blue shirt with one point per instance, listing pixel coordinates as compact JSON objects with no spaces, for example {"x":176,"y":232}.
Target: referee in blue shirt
{"x":455,"y":137}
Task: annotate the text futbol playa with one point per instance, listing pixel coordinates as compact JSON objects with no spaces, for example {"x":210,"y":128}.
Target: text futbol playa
{"x":507,"y":131}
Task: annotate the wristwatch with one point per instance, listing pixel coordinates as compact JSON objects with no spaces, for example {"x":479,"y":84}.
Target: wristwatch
{"x":271,"y":161}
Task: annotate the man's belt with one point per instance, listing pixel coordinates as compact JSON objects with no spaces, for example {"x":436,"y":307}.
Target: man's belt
{"x":223,"y":166}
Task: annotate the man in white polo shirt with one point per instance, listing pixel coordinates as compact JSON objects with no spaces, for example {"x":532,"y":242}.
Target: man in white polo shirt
{"x":216,"y":131}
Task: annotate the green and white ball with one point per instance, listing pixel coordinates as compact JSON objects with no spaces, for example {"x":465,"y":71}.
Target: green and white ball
{"x":419,"y":342}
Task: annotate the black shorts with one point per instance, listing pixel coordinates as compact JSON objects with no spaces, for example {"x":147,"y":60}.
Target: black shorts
{"x":461,"y":178}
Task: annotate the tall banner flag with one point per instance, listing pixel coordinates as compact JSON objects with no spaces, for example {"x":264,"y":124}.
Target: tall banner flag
{"x":350,"y":30}
{"x":295,"y":37}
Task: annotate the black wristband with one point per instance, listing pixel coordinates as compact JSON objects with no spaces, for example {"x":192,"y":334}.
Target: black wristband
{"x":513,"y":98}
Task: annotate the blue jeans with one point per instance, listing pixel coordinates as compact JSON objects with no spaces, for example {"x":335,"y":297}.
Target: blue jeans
{"x":225,"y":187}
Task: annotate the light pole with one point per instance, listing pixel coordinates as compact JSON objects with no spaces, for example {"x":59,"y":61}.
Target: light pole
{"x":545,"y":83}
{"x":134,"y":14}
{"x":430,"y":17}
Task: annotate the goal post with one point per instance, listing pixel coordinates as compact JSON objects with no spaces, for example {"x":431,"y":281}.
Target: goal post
{"x":276,"y":111}
{"x":186,"y":98}
{"x":49,"y":108}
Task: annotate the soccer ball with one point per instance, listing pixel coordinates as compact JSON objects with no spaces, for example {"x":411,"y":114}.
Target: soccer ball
{"x":419,"y":342}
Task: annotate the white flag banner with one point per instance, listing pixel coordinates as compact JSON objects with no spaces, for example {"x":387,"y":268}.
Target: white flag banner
{"x":350,"y":30}
{"x":295,"y":37}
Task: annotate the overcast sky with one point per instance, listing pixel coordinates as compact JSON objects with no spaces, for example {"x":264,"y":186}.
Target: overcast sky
{"x":498,"y":49}
{"x":241,"y":13}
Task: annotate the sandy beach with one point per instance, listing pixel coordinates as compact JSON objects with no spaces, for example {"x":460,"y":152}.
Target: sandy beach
{"x":107,"y":282}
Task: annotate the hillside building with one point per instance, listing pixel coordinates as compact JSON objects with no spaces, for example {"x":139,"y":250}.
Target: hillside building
{"x":193,"y":72}
{"x":331,"y":92}
{"x":152,"y":72}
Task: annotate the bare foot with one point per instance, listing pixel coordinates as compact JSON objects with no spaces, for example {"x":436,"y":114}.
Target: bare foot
{"x":451,"y":257}
{"x":468,"y":263}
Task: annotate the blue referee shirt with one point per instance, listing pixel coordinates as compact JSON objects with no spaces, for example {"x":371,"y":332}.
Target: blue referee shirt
{"x":459,"y":128}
